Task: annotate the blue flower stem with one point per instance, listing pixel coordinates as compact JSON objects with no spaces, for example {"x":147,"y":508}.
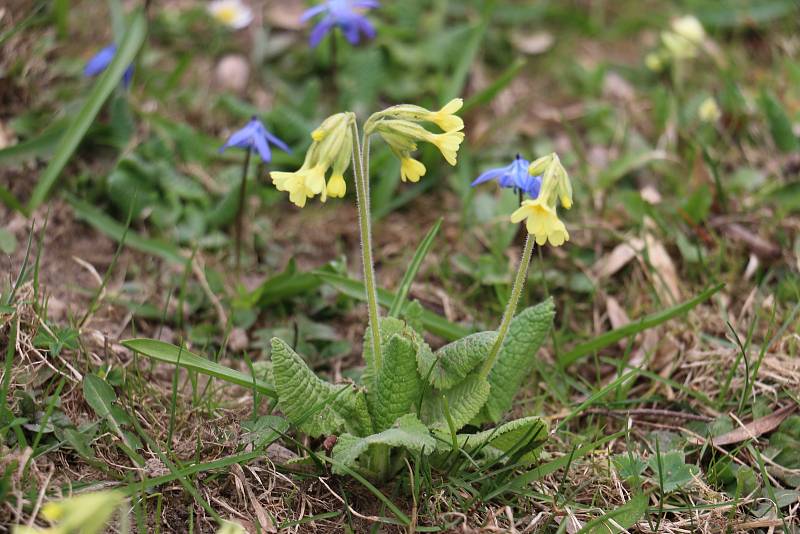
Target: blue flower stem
{"x":511,"y":308}
{"x":240,"y":211}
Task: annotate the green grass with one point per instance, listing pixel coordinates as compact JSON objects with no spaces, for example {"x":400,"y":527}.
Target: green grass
{"x":131,"y":181}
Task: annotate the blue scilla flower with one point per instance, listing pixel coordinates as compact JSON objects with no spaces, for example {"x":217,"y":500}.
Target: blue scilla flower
{"x":514,"y":176}
{"x":101,"y":60}
{"x":255,"y":135}
{"x":341,"y":13}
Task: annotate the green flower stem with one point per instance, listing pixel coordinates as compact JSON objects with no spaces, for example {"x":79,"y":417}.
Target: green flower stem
{"x":240,"y":211}
{"x":361,"y":170}
{"x":380,"y":455}
{"x":511,"y":309}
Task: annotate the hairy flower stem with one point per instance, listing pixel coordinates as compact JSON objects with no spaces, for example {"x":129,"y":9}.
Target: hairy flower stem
{"x":511,"y":308}
{"x":240,"y":211}
{"x":361,"y":170}
{"x":380,"y":454}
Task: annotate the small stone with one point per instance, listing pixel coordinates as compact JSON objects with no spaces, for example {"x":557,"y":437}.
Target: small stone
{"x":232,"y":73}
{"x":238,"y":340}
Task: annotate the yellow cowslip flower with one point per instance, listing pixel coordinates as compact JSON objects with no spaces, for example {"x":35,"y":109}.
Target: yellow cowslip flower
{"x":542,"y":222}
{"x":87,"y":514}
{"x":448,"y":144}
{"x":336,"y":187}
{"x":709,"y":110}
{"x":302,"y":184}
{"x":654,"y":61}
{"x":229,"y":527}
{"x":445,"y":118}
{"x":411,"y":169}
{"x":331,"y":149}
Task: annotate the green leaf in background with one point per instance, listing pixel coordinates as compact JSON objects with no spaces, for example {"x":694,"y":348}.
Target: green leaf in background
{"x":780,"y":126}
{"x":675,"y":472}
{"x":113,"y":229}
{"x":619,"y":519}
{"x":530,"y":432}
{"x":102,"y":89}
{"x":101,"y":397}
{"x":168,"y":353}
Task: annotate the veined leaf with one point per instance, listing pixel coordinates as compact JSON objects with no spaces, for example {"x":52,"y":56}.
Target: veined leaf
{"x":407,"y":432}
{"x":398,"y":385}
{"x":507,"y":436}
{"x":780,"y":126}
{"x":166,"y":352}
{"x":126,"y":51}
{"x":619,"y":519}
{"x":463,"y":402}
{"x":517,"y":356}
{"x":389,"y":327}
{"x":101,"y":397}
{"x":452,"y":363}
{"x":315,"y":406}
{"x":113,"y":229}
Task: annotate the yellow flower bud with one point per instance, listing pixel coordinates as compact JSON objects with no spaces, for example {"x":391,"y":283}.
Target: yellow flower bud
{"x":336,"y":186}
{"x":709,"y":110}
{"x":411,"y":169}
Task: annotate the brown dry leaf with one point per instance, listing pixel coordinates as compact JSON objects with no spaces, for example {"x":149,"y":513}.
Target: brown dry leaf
{"x":754,"y":428}
{"x":756,"y":243}
{"x":617,"y":259}
{"x":533,"y":43}
{"x":617,"y":316}
{"x":263,"y":518}
{"x":285,"y":14}
{"x":665,"y":276}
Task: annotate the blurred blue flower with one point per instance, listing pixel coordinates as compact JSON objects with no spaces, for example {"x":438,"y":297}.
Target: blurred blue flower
{"x":514,"y":176}
{"x":101,"y":60}
{"x":341,"y":13}
{"x":255,"y":135}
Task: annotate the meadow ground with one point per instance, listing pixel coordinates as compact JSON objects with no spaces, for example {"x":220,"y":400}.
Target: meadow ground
{"x":670,"y":380}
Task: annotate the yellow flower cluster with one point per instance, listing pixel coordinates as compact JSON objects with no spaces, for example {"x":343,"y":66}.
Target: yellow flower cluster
{"x":331,"y":149}
{"x":682,"y":41}
{"x":401,"y":127}
{"x":541,"y":215}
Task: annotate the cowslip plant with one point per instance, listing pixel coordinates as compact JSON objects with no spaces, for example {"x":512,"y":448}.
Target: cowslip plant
{"x":412,"y":399}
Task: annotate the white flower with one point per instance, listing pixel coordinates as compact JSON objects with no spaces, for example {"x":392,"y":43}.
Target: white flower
{"x":232,"y":13}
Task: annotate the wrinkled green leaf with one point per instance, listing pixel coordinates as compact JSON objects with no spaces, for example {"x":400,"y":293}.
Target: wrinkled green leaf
{"x":517,"y":356}
{"x":408,"y":432}
{"x":398,"y":386}
{"x":464,"y":401}
{"x":452,"y":363}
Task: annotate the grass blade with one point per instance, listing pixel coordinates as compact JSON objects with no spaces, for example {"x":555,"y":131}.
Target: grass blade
{"x":102,"y":89}
{"x":633,"y":328}
{"x":502,"y":81}
{"x":168,"y":353}
{"x":413,"y":268}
